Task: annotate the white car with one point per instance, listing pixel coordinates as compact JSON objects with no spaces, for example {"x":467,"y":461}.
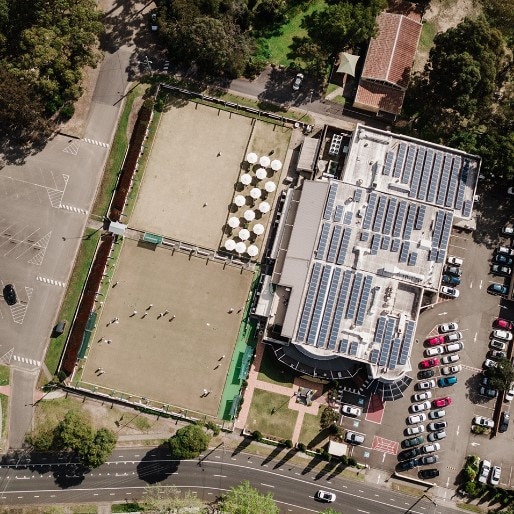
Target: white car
{"x":436,"y":436}
{"x":496,"y":473}
{"x":416,"y":418}
{"x":509,"y":395}
{"x":489,"y":363}
{"x":297,"y":81}
{"x":435,"y":350}
{"x":483,"y":421}
{"x":450,"y":359}
{"x":427,"y":384}
{"x":450,"y":291}
{"x":429,"y":448}
{"x":325,"y":496}
{"x":420,"y":407}
{"x":508,"y":231}
{"x":454,"y":261}
{"x":450,"y":370}
{"x":485,"y":468}
{"x":415,"y":430}
{"x":350,"y":410}
{"x":437,"y":414}
{"x":448,"y":327}
{"x":502,"y":334}
{"x":419,"y":397}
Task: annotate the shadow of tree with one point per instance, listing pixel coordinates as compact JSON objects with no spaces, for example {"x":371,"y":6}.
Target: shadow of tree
{"x":323,"y":434}
{"x":312,"y":464}
{"x":156,"y":465}
{"x":328,"y":467}
{"x":274,"y":453}
{"x":285,"y":458}
{"x":242,"y":445}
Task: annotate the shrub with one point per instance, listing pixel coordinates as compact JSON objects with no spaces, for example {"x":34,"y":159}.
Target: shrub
{"x":257,"y":435}
{"x":67,"y":111}
{"x":351,"y":462}
{"x":301,"y":447}
{"x":212,"y":426}
{"x":344,"y":460}
{"x":288,"y":443}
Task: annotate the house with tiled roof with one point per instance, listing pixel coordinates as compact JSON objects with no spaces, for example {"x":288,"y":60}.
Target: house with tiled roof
{"x":386,"y":71}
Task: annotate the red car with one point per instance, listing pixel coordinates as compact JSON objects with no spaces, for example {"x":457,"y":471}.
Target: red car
{"x":429,"y":363}
{"x":441,"y":402}
{"x":435,"y":340}
{"x":503,"y":323}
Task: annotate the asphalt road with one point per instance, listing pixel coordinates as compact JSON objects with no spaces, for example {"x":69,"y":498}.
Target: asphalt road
{"x":129,"y":471}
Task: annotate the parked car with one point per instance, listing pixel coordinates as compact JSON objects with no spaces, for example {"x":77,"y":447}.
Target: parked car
{"x":454,"y":261}
{"x":413,"y":441}
{"x":451,"y":370}
{"x":485,"y":469}
{"x":436,"y":436}
{"x":489,"y":363}
{"x":425,"y":395}
{"x":453,"y":347}
{"x":437,"y":425}
{"x":409,"y":454}
{"x":494,"y":478}
{"x":407,"y":464}
{"x":452,"y":338}
{"x":489,"y":392}
{"x":325,"y":496}
{"x":446,"y":381}
{"x":505,"y":335}
{"x":508,"y":231}
{"x":297,"y":81}
{"x":435,"y":350}
{"x":504,"y":421}
{"x":498,"y":345}
{"x":441,"y":402}
{"x":432,"y":447}
{"x":420,"y":407}
{"x":450,"y":359}
{"x":419,"y":429}
{"x":503,"y":259}
{"x":451,"y":280}
{"x":485,"y":380}
{"x":450,"y":291}
{"x":428,"y":473}
{"x":503,"y":271}
{"x":429,"y":363}
{"x":429,"y":459}
{"x":497,"y":354}
{"x":483,"y":421}
{"x":416,"y":418}
{"x":448,"y":327}
{"x":353,"y":438}
{"x":505,"y":250}
{"x":497,"y":289}
{"x":503,"y":323}
{"x":426,"y":373}
{"x":432,"y":341}
{"x":453,"y":270}
{"x":437,"y":414}
{"x":509,"y":395}
{"x":350,"y":410}
{"x":9,"y":293}
{"x":428,"y":384}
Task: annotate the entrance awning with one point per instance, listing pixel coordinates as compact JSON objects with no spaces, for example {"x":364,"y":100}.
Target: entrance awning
{"x":347,"y":63}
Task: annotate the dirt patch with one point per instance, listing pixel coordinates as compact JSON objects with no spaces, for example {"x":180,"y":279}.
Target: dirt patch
{"x":440,"y":16}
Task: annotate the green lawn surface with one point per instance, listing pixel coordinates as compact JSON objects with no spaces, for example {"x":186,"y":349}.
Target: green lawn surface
{"x":4,"y":375}
{"x":311,"y":430}
{"x":426,"y":39}
{"x":272,"y":371}
{"x":4,"y":400}
{"x":270,"y":415}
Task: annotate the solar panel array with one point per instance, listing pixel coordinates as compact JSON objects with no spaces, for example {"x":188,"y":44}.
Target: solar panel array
{"x":407,"y":342}
{"x":309,"y":300}
{"x":348,"y":217}
{"x":370,"y":209}
{"x":319,"y":305}
{"x":345,"y":242}
{"x":323,"y":240}
{"x":357,"y":195}
{"x":334,"y":243}
{"x":389,"y":159}
{"x":329,"y":206}
{"x":338,"y":215}
{"x":400,"y":160}
{"x":329,"y":309}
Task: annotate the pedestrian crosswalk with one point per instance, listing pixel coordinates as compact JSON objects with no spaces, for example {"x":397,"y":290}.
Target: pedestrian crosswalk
{"x":73,"y":209}
{"x":95,"y":142}
{"x":26,"y":360}
{"x":51,"y":281}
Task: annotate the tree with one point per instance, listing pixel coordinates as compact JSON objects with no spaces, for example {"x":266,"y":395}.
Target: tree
{"x":329,"y":510}
{"x":188,"y":442}
{"x":244,"y":499}
{"x":328,"y":417}
{"x":169,"y":499}
{"x":502,"y":375}
{"x":99,"y":449}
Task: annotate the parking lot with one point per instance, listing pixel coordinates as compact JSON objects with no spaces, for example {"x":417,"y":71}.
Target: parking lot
{"x":474,"y":311}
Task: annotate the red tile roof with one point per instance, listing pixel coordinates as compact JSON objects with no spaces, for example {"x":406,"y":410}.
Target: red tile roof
{"x":375,"y":97}
{"x":391,"y":52}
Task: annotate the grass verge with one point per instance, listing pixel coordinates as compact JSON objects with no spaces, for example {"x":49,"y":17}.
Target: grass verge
{"x":428,"y":32}
{"x":116,"y":155}
{"x":126,"y":507}
{"x":4,"y":375}
{"x":71,"y":300}
{"x":469,"y":506}
{"x":310,"y":434}
{"x":4,"y":400}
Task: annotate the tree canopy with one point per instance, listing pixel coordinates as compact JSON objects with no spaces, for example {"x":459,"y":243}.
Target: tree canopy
{"x":502,"y":375}
{"x":188,"y":442}
{"x":244,"y":499}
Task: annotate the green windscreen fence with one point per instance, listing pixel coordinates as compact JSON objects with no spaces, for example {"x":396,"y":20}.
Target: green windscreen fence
{"x":234,"y":406}
{"x":91,"y":322}
{"x":245,"y":362}
{"x":152,"y":238}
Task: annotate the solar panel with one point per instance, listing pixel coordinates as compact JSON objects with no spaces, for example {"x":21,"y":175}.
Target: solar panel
{"x":363,"y":304}
{"x":329,"y":206}
{"x":447,"y":229}
{"x":389,"y":158}
{"x":420,"y":217}
{"x":309,"y":300}
{"x":344,"y":346}
{"x":445,"y":177}
{"x":379,"y":330}
{"x":432,"y":254}
{"x":353,"y":348}
{"x":354,"y":297}
{"x":441,"y":254}
{"x":391,"y":209}
{"x":434,"y":178}
{"x":413,"y":257}
{"x":375,"y":244}
{"x":338,"y":315}
{"x":400,"y":217}
{"x":395,"y":245}
{"x":329,"y":308}
{"x":462,"y":184}
{"x":334,"y":243}
{"x":416,"y":177}
{"x":366,"y":224}
{"x":409,"y":164}
{"x":357,"y":195}
{"x":454,"y":181}
{"x":426,"y":174}
{"x":405,"y":252}
{"x":409,"y":225}
{"x":322,"y":242}
{"x":438,"y":229}
{"x":407,"y":342}
{"x":345,"y":242}
{"x":380,"y":213}
{"x":348,"y":218}
{"x":395,"y":350}
{"x":364,"y":236}
{"x":386,"y":344}
{"x":338,"y":213}
{"x":400,"y":160}
{"x":468,"y":207}
{"x":373,"y":357}
{"x":385,"y":243}
{"x":319,"y":304}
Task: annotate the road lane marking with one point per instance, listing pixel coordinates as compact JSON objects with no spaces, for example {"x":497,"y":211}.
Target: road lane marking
{"x":475,"y":338}
{"x":267,"y":485}
{"x":481,"y":284}
{"x":221,"y":476}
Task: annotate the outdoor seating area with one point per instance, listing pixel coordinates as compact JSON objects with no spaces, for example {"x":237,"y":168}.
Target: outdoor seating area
{"x":252,"y":200}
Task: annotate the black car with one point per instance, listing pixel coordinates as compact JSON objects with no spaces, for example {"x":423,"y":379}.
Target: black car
{"x":409,"y":454}
{"x":426,"y":373}
{"x":407,"y":464}
{"x":504,"y":422}
{"x":10,"y":294}
{"x":428,"y":473}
